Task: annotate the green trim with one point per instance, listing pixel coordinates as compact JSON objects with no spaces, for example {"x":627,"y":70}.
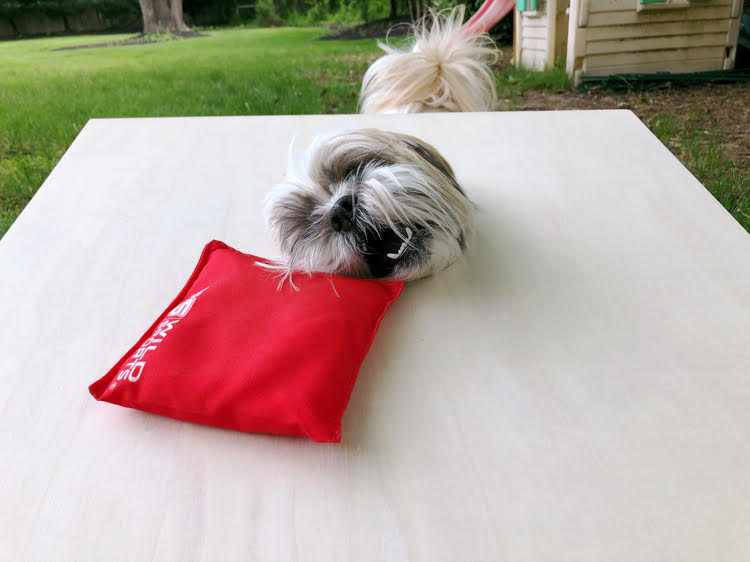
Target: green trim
{"x":653,"y":1}
{"x":534,"y":5}
{"x":521,"y":5}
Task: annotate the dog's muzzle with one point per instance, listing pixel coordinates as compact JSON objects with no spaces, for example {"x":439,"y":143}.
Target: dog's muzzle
{"x":343,"y":214}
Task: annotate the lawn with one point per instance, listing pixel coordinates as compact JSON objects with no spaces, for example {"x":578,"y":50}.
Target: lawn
{"x":47,"y":95}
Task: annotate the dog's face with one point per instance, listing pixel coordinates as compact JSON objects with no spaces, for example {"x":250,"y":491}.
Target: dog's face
{"x":370,"y":203}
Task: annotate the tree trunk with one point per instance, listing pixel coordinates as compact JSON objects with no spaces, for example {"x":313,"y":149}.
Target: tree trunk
{"x":417,"y":8}
{"x":13,"y":25}
{"x":277,"y":7}
{"x":394,"y":9}
{"x":162,"y":15}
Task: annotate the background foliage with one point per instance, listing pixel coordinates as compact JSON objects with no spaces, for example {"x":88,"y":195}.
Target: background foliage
{"x":220,"y":13}
{"x":65,"y":8}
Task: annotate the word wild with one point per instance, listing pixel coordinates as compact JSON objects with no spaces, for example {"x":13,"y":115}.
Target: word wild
{"x":132,"y":370}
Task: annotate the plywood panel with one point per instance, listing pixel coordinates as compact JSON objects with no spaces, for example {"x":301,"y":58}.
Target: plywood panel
{"x":561,"y":38}
{"x":534,"y":33}
{"x":655,"y":43}
{"x":611,"y":5}
{"x":535,"y":44}
{"x":658,"y":29}
{"x":552,"y":32}
{"x":653,"y":67}
{"x":674,"y":55}
{"x":516,"y":37}
{"x":576,"y":388}
{"x":622,"y":5}
{"x":536,"y":21}
{"x":533,"y":58}
{"x":629,"y":17}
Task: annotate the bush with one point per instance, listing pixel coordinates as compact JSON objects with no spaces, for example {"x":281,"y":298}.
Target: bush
{"x":263,"y":12}
{"x":211,"y":12}
{"x":61,"y":8}
{"x":112,"y":14}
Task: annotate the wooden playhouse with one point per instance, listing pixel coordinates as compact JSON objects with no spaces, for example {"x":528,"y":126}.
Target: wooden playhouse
{"x":606,"y":37}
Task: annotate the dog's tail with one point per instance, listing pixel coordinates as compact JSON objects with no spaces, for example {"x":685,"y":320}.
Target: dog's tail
{"x":444,"y":69}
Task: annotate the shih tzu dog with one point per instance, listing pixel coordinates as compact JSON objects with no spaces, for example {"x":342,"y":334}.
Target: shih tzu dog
{"x":369,"y":203}
{"x":372,"y":203}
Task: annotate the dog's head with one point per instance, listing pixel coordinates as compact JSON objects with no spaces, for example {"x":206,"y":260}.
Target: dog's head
{"x":370,"y":203}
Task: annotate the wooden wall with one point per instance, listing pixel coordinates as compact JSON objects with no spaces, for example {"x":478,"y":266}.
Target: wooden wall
{"x":532,"y":40}
{"x":614,"y":37}
{"x":538,"y":43}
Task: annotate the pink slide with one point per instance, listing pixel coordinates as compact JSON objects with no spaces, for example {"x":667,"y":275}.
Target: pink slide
{"x":488,"y":14}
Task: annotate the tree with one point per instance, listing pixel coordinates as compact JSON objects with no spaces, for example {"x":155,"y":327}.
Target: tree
{"x":162,"y":15}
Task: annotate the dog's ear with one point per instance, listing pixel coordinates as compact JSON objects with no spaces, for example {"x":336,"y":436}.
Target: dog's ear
{"x":429,"y":154}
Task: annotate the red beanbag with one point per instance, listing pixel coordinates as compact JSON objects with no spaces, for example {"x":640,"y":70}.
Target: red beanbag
{"x":234,"y":350}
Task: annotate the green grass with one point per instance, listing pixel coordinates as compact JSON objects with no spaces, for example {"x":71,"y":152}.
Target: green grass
{"x":513,"y":81}
{"x":697,"y":148}
{"x":47,"y":96}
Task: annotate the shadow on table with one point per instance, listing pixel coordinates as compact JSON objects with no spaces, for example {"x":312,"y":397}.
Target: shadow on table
{"x":427,"y":323}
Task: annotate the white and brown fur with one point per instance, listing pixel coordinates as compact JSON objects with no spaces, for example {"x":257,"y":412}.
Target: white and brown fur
{"x":441,"y":68}
{"x":371,"y":203}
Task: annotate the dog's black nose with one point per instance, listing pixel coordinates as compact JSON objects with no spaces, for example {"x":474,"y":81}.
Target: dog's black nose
{"x":343,"y":214}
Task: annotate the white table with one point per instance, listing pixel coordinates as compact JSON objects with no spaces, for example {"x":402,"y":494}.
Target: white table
{"x":577,"y":389}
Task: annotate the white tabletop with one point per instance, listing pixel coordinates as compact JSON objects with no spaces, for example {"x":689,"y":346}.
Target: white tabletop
{"x":577,"y":389}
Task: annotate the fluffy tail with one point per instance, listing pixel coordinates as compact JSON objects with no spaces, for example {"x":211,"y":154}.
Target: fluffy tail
{"x":443,"y":70}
